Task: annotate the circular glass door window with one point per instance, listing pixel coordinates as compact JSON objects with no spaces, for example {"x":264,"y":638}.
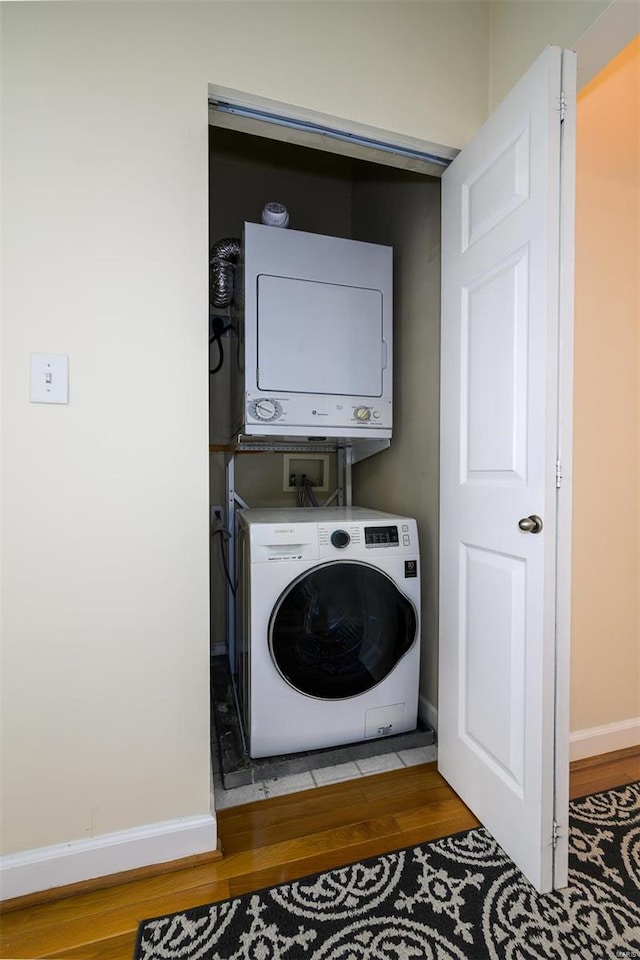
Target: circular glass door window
{"x":340,"y":629}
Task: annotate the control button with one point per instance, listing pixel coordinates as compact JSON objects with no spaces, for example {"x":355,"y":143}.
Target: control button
{"x":405,"y":528}
{"x":340,"y":539}
{"x":376,"y":414}
{"x":405,"y":539}
{"x":265,"y":409}
{"x":362,"y":413}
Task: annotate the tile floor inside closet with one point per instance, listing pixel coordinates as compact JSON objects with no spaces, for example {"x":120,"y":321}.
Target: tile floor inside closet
{"x":321,"y":777}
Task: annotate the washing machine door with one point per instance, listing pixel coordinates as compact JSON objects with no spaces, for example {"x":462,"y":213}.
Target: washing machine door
{"x":340,"y":629}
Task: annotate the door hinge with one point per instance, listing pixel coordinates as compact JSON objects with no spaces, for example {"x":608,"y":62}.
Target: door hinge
{"x":558,"y":474}
{"x":562,"y":107}
{"x":555,"y":834}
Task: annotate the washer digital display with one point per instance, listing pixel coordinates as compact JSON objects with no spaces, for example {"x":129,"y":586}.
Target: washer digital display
{"x":381,"y":536}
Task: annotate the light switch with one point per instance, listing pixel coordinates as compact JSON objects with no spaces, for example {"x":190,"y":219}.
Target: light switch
{"x":49,"y":378}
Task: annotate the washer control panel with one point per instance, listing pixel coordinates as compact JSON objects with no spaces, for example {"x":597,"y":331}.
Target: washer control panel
{"x":360,"y":538}
{"x":330,"y":533}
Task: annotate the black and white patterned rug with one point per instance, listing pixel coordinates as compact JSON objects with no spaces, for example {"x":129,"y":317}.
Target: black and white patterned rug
{"x":459,"y":898}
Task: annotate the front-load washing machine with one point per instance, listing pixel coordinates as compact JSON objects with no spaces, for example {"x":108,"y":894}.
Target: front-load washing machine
{"x":328,"y":627}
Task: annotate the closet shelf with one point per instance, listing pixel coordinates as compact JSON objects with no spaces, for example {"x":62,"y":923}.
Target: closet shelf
{"x":245,"y":444}
{"x":359,"y":449}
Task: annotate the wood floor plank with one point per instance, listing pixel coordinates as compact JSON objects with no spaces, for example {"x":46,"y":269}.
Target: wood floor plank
{"x":615,"y":770}
{"x":423,"y":776}
{"x":596,"y":785}
{"x":276,"y":809}
{"x":336,"y":858}
{"x":425,"y":833}
{"x":332,"y":816}
{"x":434,"y":814}
{"x":89,"y":905}
{"x":605,"y":760}
{"x":315,"y":801}
{"x":631,"y":773}
{"x":120,"y":947}
{"x":343,"y":837}
{"x":589,"y":777}
{"x":309,"y":866}
{"x":82,"y":931}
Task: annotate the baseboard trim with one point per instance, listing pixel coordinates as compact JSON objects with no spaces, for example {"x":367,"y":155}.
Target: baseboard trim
{"x":68,"y":863}
{"x":428,"y":713}
{"x":604,"y":739}
{"x":582,"y":743}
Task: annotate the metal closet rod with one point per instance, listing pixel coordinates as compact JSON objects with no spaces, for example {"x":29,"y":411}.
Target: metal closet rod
{"x":308,"y":126}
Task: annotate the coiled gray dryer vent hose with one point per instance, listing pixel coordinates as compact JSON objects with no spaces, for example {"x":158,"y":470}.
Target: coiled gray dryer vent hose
{"x":222,"y":260}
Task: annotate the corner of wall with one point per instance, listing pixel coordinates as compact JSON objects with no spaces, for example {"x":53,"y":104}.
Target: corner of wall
{"x":490,"y":54}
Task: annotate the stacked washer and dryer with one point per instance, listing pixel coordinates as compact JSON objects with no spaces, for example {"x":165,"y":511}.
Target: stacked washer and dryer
{"x":328,"y":599}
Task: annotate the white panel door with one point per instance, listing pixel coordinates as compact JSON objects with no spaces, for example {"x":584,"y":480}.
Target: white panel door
{"x":503,"y":307}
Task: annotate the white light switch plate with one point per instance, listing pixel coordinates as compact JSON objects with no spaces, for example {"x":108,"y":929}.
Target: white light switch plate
{"x":49,"y":378}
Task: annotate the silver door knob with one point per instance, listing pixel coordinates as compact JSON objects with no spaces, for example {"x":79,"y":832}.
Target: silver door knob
{"x":532,"y":524}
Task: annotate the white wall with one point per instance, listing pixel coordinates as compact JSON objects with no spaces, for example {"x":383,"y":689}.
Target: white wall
{"x":384,"y":64}
{"x":105,"y":618}
{"x":606,"y":37}
{"x":605,"y":665}
{"x":521,"y":29}
{"x":105,"y":627}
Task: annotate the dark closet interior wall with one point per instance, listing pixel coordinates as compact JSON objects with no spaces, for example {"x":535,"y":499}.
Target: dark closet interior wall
{"x":404,"y":211}
{"x":245,"y":172}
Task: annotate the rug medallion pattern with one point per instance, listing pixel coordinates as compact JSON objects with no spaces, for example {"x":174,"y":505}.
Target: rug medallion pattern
{"x":459,"y":898}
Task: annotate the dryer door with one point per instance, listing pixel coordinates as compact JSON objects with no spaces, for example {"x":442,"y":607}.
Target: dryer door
{"x":340,"y":629}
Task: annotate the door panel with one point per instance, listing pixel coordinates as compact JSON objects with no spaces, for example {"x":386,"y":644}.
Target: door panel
{"x":493,"y":728}
{"x":498,"y":187}
{"x":501,"y":213}
{"x":494,"y":377}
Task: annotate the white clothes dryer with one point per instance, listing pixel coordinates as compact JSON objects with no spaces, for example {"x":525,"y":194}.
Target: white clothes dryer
{"x":328,"y":627}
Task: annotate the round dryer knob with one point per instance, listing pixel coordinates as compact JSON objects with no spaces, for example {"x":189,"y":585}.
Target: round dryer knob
{"x":340,"y":538}
{"x":265,"y":409}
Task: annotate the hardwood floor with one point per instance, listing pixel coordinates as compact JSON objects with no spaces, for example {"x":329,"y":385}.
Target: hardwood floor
{"x":270,"y":841}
